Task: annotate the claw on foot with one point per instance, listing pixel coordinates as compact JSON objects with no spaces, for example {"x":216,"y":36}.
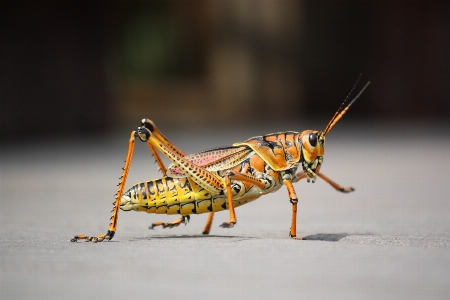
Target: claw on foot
{"x":297,"y":238}
{"x":347,"y":189}
{"x":157,"y":224}
{"x":227,"y":225}
{"x":94,"y":239}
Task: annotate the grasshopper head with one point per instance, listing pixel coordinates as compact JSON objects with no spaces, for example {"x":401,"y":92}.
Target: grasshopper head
{"x":313,"y":141}
{"x":313,"y":148}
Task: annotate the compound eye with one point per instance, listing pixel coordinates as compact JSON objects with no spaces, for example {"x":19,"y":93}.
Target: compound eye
{"x":313,"y":139}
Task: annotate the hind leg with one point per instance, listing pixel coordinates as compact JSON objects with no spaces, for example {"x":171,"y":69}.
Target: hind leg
{"x":175,"y":223}
{"x":115,"y":212}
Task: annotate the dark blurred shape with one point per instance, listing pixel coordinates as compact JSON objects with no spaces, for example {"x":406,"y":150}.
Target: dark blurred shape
{"x":52,"y":68}
{"x":154,"y":43}
{"x":335,"y":50}
{"x":235,"y":61}
{"x":401,"y":46}
{"x":78,"y":67}
{"x":409,"y":59}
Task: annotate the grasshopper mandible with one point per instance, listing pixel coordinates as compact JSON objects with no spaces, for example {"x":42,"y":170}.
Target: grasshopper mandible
{"x":222,"y":178}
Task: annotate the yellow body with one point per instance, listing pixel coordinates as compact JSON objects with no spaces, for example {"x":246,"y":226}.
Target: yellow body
{"x":184,"y":196}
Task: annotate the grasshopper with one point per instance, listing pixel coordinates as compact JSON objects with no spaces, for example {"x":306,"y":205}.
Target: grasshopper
{"x":222,"y":178}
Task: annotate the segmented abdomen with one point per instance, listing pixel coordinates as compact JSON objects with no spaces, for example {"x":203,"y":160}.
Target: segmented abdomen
{"x":169,"y":195}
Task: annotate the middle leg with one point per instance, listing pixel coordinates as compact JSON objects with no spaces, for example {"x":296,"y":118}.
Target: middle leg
{"x":208,"y":223}
{"x":230,"y":175}
{"x":183,"y":219}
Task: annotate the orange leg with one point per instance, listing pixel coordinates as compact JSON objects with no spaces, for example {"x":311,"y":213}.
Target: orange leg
{"x":147,"y":123}
{"x":301,"y":175}
{"x":160,"y":163}
{"x":236,"y":176}
{"x":337,"y":187}
{"x":208,"y":223}
{"x":245,"y":177}
{"x":200,"y":175}
{"x":230,"y":205}
{"x":294,"y":200}
{"x":183,"y":219}
{"x":115,"y":212}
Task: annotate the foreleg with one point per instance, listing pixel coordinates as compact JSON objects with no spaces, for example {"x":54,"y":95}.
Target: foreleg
{"x":294,"y":200}
{"x":336,"y":186}
{"x":301,"y":175}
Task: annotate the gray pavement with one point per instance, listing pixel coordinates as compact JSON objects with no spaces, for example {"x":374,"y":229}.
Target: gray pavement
{"x":390,"y":239}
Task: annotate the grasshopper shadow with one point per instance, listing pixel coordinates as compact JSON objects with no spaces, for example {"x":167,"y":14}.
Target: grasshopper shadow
{"x":167,"y":237}
{"x":327,"y":237}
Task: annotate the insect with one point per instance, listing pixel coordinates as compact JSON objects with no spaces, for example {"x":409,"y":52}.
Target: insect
{"x":222,"y":178}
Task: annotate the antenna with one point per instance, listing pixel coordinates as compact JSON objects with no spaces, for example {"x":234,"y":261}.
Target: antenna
{"x":342,"y":110}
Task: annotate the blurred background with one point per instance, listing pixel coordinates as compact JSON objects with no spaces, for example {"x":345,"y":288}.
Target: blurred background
{"x":77,"y":76}
{"x":83,"y":67}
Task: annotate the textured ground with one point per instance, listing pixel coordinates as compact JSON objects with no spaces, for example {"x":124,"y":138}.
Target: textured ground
{"x":390,"y":239}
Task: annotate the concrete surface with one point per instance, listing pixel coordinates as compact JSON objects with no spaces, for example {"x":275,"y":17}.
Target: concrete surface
{"x":389,"y":239}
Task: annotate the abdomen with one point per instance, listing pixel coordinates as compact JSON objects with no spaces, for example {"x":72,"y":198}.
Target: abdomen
{"x":169,"y":195}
